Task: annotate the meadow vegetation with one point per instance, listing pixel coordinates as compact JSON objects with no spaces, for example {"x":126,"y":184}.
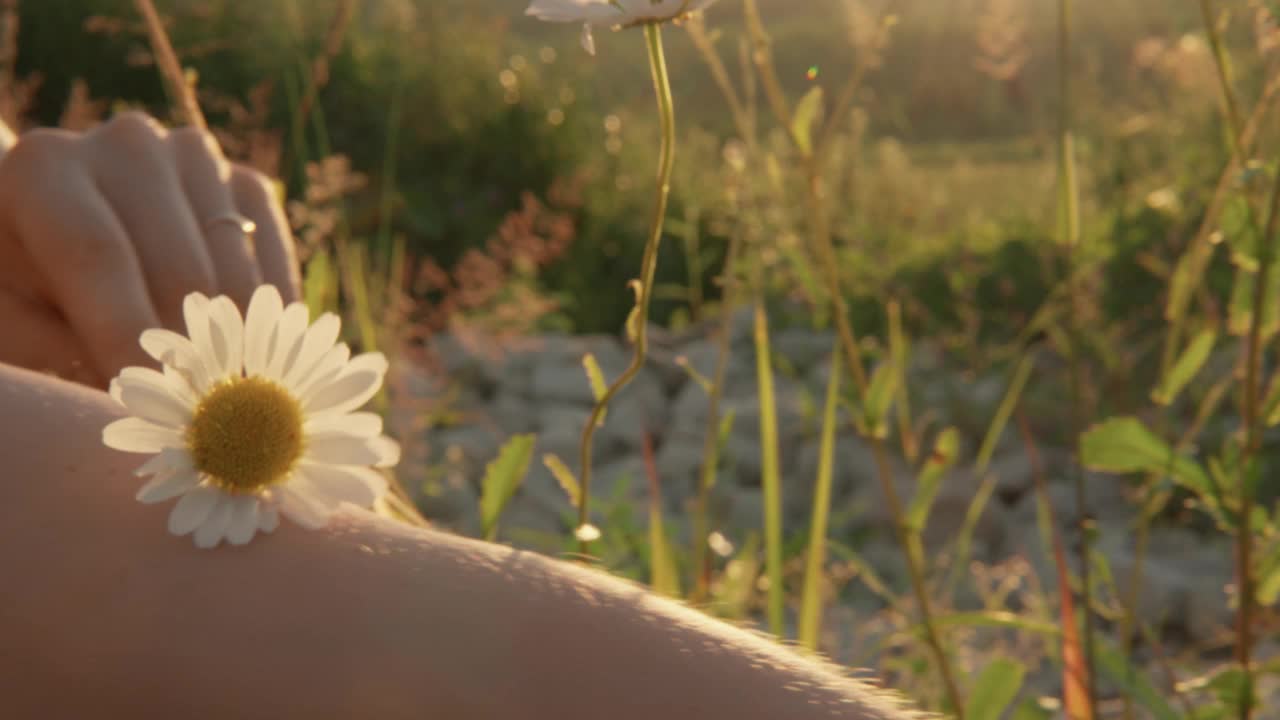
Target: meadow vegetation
{"x":1077,"y":199}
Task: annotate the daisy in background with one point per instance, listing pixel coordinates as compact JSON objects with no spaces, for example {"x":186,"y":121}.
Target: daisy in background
{"x":252,"y":417}
{"x":612,"y":13}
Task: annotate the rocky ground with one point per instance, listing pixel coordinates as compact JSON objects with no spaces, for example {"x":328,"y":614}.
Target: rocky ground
{"x":480,"y":391}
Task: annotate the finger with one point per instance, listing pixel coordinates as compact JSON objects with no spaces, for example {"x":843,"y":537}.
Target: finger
{"x":138,"y":176}
{"x":206,"y":177}
{"x":74,"y":238}
{"x":273,"y":242}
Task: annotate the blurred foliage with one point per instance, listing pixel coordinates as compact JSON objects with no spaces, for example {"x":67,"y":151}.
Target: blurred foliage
{"x":485,"y":105}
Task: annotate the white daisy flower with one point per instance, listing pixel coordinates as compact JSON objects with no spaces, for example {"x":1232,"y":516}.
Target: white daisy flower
{"x":612,"y":13}
{"x":251,"y":418}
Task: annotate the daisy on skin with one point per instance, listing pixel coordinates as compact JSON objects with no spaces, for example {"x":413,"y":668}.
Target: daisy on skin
{"x":612,"y":13}
{"x":251,"y":418}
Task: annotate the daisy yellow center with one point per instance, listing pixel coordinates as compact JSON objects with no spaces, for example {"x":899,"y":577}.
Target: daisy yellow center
{"x":246,"y":434}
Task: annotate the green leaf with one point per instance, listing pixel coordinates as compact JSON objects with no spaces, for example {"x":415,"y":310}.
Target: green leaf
{"x":595,"y":376}
{"x":806,"y":115}
{"x":900,"y":353}
{"x":1186,"y":367}
{"x":1187,"y":276}
{"x":1271,"y":403}
{"x":663,"y":576}
{"x":1021,"y":374}
{"x":998,"y":619}
{"x":1268,"y":589}
{"x":879,"y":398}
{"x":502,"y":478}
{"x":1240,"y":317}
{"x":1125,"y":445}
{"x":945,"y":450}
{"x":1030,"y":709}
{"x":994,"y":690}
{"x":1116,"y":668}
{"x":1240,"y":307}
{"x":1232,"y":687}
{"x":703,"y":381}
{"x":565,"y":477}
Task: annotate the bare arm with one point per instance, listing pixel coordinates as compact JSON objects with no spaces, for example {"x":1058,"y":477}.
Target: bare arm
{"x":104,"y":614}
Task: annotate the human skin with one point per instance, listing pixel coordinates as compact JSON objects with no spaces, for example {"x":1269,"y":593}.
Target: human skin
{"x":103,"y":233}
{"x":104,"y":614}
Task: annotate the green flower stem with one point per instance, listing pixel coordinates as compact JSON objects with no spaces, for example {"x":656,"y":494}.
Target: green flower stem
{"x":648,"y":264}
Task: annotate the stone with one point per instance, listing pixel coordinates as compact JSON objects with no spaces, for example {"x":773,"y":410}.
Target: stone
{"x":452,"y":501}
{"x":946,"y":516}
{"x":680,"y":466}
{"x":513,"y":413}
{"x":746,"y":509}
{"x":467,"y":448}
{"x":640,"y":408}
{"x":560,"y":382}
{"x":853,"y":465}
{"x":802,"y":348}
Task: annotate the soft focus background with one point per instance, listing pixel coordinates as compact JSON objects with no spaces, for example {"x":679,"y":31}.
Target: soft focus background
{"x":472,"y":191}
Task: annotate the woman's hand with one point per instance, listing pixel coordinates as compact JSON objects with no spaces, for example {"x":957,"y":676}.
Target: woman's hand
{"x":102,"y":234}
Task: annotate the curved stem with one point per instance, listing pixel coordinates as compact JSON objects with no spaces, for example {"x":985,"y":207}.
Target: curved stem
{"x":639,"y":321}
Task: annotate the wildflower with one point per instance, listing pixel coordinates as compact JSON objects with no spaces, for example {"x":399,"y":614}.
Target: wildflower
{"x":612,"y":13}
{"x":252,"y":417}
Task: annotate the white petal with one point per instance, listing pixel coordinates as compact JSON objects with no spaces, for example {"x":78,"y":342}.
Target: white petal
{"x":214,"y":528}
{"x":318,"y":339}
{"x":137,"y":435}
{"x":348,"y":392}
{"x":352,"y":388}
{"x":260,"y":322}
{"x":358,"y":424}
{"x":562,"y":11}
{"x":176,"y":351}
{"x":191,"y":511}
{"x":298,"y":505}
{"x":153,"y":399}
{"x":195,"y":310}
{"x":342,"y":449}
{"x":588,"y":40}
{"x":114,"y":390}
{"x":167,"y":461}
{"x":170,"y":381}
{"x":329,"y":367}
{"x":227,"y":323}
{"x":388,"y":451}
{"x":268,"y":519}
{"x":358,"y":486}
{"x":184,"y":386}
{"x":167,"y":486}
{"x":244,"y":520}
{"x":293,"y":323}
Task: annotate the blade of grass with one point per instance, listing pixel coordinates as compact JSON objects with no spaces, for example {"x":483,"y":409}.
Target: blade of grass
{"x":811,"y":597}
{"x":771,"y":475}
{"x":663,"y":576}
